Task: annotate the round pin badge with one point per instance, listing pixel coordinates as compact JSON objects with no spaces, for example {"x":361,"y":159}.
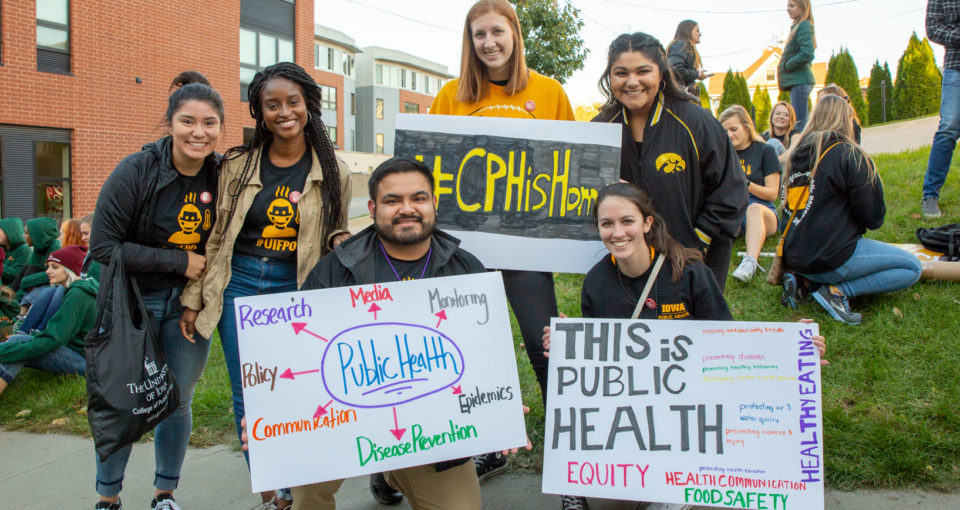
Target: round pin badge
{"x":206,"y":197}
{"x":530,"y":105}
{"x":650,"y":303}
{"x":295,"y":197}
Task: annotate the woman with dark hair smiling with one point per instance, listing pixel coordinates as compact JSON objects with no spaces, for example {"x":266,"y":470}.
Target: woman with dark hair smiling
{"x":674,"y":150}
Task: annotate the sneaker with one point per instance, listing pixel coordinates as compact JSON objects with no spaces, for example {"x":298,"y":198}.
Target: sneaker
{"x":791,"y":295}
{"x":106,"y":505}
{"x":573,"y":503}
{"x":164,"y":501}
{"x":489,"y":465}
{"x":930,"y":207}
{"x":383,"y":492}
{"x":266,"y":505}
{"x":747,"y":268}
{"x":836,"y":304}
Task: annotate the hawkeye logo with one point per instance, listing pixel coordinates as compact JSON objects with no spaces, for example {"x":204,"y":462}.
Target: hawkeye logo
{"x":669,"y":162}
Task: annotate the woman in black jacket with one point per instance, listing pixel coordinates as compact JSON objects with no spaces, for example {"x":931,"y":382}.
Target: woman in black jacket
{"x":684,"y":57}
{"x":157,"y":208}
{"x":674,"y":150}
{"x":833,"y":196}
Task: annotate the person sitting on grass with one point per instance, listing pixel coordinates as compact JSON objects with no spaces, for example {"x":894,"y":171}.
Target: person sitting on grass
{"x":782,"y":122}
{"x":762,"y":168}
{"x":58,"y":348}
{"x":17,"y":249}
{"x":833,"y":195}
{"x":43,"y":235}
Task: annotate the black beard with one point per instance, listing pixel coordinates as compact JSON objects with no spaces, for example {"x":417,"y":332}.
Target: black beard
{"x":391,"y":237}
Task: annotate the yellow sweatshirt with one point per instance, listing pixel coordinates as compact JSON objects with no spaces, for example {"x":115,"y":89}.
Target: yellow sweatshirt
{"x":543,"y":98}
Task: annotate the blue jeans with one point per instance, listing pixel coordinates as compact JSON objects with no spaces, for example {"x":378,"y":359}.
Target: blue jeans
{"x":945,"y":141}
{"x":777,"y":146}
{"x":62,"y":360}
{"x":799,"y":95}
{"x":874,"y":267}
{"x":46,"y":302}
{"x":251,"y":276}
{"x":172,"y":435}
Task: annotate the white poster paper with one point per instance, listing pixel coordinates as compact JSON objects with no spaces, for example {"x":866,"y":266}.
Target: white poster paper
{"x":724,"y":414}
{"x":353,"y":380}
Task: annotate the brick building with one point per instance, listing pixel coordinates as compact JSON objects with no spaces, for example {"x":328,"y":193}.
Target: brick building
{"x":83,"y":83}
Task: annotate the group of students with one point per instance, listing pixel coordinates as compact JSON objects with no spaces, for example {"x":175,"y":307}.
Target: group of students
{"x":201,"y":230}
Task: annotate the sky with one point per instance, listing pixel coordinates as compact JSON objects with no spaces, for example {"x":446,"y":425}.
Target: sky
{"x":734,"y":32}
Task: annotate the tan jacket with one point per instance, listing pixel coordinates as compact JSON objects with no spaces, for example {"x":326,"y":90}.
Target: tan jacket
{"x":206,"y":294}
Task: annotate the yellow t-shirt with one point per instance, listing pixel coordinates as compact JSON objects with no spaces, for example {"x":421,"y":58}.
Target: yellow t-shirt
{"x":543,"y":98}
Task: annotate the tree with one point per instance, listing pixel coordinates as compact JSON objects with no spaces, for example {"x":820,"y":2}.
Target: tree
{"x":585,"y":112}
{"x":784,"y":95}
{"x":735,"y":91}
{"x":704,"y":96}
{"x":551,"y":35}
{"x":761,"y":104}
{"x":917,"y":91}
{"x":842,"y":71}
{"x":879,"y":78}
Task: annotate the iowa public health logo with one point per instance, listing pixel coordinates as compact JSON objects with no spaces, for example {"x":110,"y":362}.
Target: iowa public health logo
{"x":669,"y":162}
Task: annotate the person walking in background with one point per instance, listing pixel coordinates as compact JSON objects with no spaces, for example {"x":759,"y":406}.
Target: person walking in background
{"x":674,"y":150}
{"x":284,"y":196}
{"x":943,"y":27}
{"x":684,"y":57}
{"x":762,"y":168}
{"x":157,"y":208}
{"x":794,"y":73}
{"x":833,"y":196}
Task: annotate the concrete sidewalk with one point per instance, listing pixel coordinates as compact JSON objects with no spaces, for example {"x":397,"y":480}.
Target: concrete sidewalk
{"x":57,"y":471}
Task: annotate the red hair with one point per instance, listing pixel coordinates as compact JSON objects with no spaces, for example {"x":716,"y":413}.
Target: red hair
{"x":71,"y":232}
{"x":474,"y":76}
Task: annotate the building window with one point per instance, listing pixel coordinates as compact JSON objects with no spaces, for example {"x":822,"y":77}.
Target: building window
{"x":413,"y":80}
{"x":53,"y":36}
{"x":379,"y":74}
{"x":411,"y":108}
{"x":353,"y":103}
{"x":332,"y":133}
{"x":379,"y":108}
{"x":259,"y":50}
{"x":328,"y":97}
{"x":52,"y":179}
{"x":379,"y":143}
{"x":771,"y":75}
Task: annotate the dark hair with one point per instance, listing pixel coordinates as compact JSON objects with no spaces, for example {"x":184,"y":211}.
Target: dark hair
{"x":685,"y":33}
{"x":396,"y":165}
{"x":658,"y":237}
{"x":316,"y":134}
{"x":651,"y":48}
{"x":192,"y":86}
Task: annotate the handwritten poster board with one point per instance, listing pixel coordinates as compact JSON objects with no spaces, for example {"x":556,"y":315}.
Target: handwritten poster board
{"x":353,"y":380}
{"x":724,"y":414}
{"x":518,"y":193}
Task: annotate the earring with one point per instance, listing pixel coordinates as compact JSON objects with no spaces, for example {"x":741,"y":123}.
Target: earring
{"x":309,"y":118}
{"x":264,"y":124}
{"x":663,"y":85}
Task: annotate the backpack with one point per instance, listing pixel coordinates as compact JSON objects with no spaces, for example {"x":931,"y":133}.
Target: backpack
{"x":943,"y":239}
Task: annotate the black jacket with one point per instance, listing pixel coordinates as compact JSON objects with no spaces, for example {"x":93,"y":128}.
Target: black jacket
{"x":841,"y":206}
{"x":353,"y":263}
{"x":125,"y":211}
{"x":689,"y":168}
{"x":684,"y":63}
{"x":696,"y":295}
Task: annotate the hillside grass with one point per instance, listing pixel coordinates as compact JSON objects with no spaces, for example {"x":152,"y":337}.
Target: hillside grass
{"x":891,"y":392}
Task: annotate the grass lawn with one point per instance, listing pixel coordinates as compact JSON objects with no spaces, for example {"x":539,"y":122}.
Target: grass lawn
{"x":891,"y":392}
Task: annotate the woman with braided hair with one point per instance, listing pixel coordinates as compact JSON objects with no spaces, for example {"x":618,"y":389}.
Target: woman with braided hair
{"x":282,"y":205}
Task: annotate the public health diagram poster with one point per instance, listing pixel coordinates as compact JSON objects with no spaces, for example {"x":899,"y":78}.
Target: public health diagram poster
{"x":724,"y":414}
{"x":353,"y":380}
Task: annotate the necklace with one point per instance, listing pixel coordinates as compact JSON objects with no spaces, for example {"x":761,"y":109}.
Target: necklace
{"x":425,"y":264}
{"x":650,"y":303}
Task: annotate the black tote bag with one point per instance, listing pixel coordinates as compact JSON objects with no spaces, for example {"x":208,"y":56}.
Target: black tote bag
{"x":130,"y":388}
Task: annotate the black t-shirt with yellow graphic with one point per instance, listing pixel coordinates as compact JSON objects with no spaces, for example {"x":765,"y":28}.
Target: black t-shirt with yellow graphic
{"x":186,"y":211}
{"x":758,"y":161}
{"x":273,"y":221}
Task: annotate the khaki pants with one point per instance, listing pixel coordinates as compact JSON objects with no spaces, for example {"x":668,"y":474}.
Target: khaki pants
{"x":425,"y":489}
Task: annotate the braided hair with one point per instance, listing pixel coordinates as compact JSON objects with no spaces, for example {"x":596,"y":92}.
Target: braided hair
{"x":315,"y":132}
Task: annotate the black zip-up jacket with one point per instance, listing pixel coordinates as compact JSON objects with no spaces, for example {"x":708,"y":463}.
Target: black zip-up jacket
{"x":689,"y":168}
{"x":684,"y":63}
{"x":125,"y":212}
{"x":353,"y":263}
{"x":842,"y":205}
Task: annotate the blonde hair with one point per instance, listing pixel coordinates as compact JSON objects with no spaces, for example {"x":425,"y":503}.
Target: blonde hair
{"x":793,"y":120}
{"x":741,"y":114}
{"x":832,"y":89}
{"x":806,"y":14}
{"x":474,"y":75}
{"x":830,"y":117}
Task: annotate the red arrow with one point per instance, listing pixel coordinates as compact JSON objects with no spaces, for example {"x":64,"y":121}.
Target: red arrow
{"x":457,"y":390}
{"x":374,"y":308}
{"x":396,"y":431}
{"x":322,"y":410}
{"x":289,"y":374}
{"x":302,"y":326}
{"x":443,"y":316}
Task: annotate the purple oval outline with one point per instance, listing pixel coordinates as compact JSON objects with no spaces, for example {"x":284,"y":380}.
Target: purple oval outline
{"x":335,"y":337}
